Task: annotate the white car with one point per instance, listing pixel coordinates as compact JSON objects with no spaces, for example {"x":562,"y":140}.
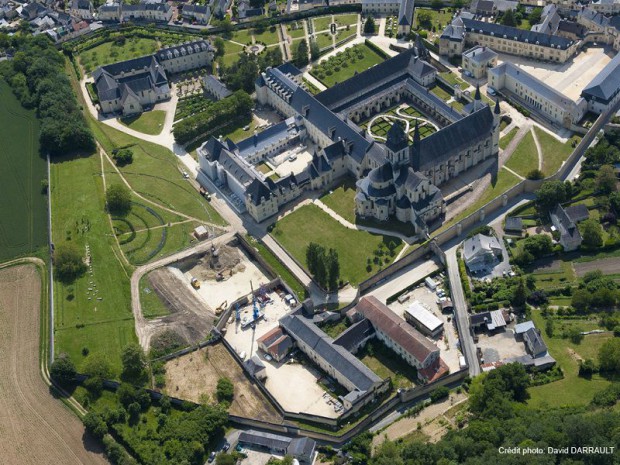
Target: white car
{"x":268,"y":357}
{"x":185,"y":175}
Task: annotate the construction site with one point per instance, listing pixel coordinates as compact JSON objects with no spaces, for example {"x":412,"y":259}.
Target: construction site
{"x":197,"y":289}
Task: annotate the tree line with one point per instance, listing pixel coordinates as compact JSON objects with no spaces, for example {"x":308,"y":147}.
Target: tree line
{"x":323,"y":265}
{"x":37,"y":76}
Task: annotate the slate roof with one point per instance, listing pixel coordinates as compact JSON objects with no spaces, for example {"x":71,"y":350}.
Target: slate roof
{"x":572,"y":27}
{"x":513,"y":33}
{"x":566,"y":227}
{"x":257,"y":190}
{"x":538,"y":345}
{"x":265,"y":440}
{"x":353,"y":336}
{"x":455,"y":31}
{"x":513,"y":224}
{"x":479,"y":244}
{"x":81,"y":4}
{"x":397,"y":329}
{"x":577,"y":213}
{"x":301,"y":447}
{"x":191,"y":9}
{"x":267,"y":137}
{"x":442,"y":145}
{"x":480,"y":54}
{"x":521,"y":328}
{"x":606,"y":84}
{"x":539,"y":87}
{"x":215,"y":83}
{"x":300,"y":328}
{"x":594,"y":16}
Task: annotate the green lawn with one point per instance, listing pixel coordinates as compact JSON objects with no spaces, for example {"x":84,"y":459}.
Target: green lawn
{"x":454,"y":80}
{"x":554,"y":151}
{"x":346,"y":19}
{"x":296,"y":30}
{"x":310,"y":224}
{"x":322,"y":23}
{"x":344,"y":34}
{"x":243,"y":36}
{"x":109,"y":52}
{"x":81,"y":320}
{"x":504,"y":141}
{"x":324,"y":40}
{"x":525,"y":157}
{"x":439,"y":20}
{"x":229,"y":60}
{"x":345,"y":64}
{"x":152,"y":306}
{"x":442,"y":94}
{"x":23,"y":223}
{"x":386,"y":363}
{"x":342,"y":200}
{"x":149,"y":122}
{"x":572,"y":390}
{"x":156,"y":174}
{"x":232,"y":48}
{"x":269,"y":36}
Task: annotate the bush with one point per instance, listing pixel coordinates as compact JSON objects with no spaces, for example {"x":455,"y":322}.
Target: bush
{"x":439,"y":394}
{"x":124,"y":157}
{"x":118,"y":199}
{"x":225,"y":390}
{"x":63,"y":370}
{"x":68,"y":262}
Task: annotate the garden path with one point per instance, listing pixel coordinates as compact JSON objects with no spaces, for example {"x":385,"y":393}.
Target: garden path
{"x":538,"y":149}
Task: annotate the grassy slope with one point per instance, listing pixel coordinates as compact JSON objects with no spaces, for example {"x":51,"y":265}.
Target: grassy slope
{"x":554,"y":152}
{"x":525,"y":157}
{"x":77,"y":197}
{"x":572,"y":390}
{"x":504,"y":141}
{"x":310,"y":224}
{"x":23,"y":223}
{"x":150,"y":122}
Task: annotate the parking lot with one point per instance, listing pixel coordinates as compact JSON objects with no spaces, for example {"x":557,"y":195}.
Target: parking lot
{"x":447,"y":341}
{"x":571,"y":77}
{"x":294,"y":385}
{"x":500,"y":346}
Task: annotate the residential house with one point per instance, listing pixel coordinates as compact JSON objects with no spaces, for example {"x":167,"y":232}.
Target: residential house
{"x":196,"y":13}
{"x":481,"y":252}
{"x":570,"y":237}
{"x":82,"y":9}
{"x":110,"y":12}
{"x":478,"y":60}
{"x":215,"y":87}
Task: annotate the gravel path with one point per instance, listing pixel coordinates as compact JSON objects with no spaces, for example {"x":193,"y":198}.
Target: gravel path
{"x":35,"y":428}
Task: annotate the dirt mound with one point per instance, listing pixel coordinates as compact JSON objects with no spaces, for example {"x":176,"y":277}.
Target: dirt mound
{"x":224,"y":260}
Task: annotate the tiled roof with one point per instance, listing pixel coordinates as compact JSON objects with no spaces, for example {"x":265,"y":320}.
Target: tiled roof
{"x":396,"y":328}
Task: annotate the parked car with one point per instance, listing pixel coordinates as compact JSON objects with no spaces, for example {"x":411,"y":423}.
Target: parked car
{"x":226,"y":446}
{"x":211,"y":457}
{"x":185,"y":175}
{"x":491,"y":91}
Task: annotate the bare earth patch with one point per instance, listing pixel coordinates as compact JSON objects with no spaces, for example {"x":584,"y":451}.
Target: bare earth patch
{"x":35,"y":428}
{"x":609,"y":265}
{"x":194,"y":375}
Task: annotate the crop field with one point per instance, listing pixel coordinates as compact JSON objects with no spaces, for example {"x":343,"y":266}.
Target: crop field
{"x":109,"y":52}
{"x":93,"y":314}
{"x":36,"y":427}
{"x":23,"y":223}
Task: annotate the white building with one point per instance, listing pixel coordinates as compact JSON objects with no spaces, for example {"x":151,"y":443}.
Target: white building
{"x":478,"y":60}
{"x":423,"y":320}
{"x":481,"y":252}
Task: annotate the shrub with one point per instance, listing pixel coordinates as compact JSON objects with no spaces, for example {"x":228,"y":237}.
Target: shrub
{"x":225,"y":390}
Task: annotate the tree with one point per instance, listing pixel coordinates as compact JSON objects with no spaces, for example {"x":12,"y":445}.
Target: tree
{"x":508,"y":19}
{"x":124,"y":157}
{"x":225,"y":390}
{"x":535,"y":174}
{"x":134,"y":363}
{"x":315,"y":51}
{"x":220,"y":47}
{"x":425,"y":19}
{"x":300,"y":57}
{"x":575,"y":335}
{"x":333,"y":270}
{"x":592,"y":233}
{"x":369,"y":25}
{"x":587,"y":368}
{"x":551,"y":193}
{"x":436,"y":4}
{"x":68,"y":262}
{"x":224,"y":459}
{"x":549,"y":327}
{"x":63,"y":370}
{"x":440,"y":393}
{"x":535,"y":15}
{"x":606,"y":180}
{"x":97,"y":369}
{"x":519,"y":295}
{"x":95,"y":424}
{"x":609,"y":356}
{"x":118,"y":198}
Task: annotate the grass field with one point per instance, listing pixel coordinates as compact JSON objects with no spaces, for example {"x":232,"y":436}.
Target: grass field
{"x":345,"y":64}
{"x":554,"y":152}
{"x":342,"y":200}
{"x":504,"y":141}
{"x":572,"y":390}
{"x":108,"y":52}
{"x":385,"y":363}
{"x":269,"y":36}
{"x":149,"y":122}
{"x":23,"y":223}
{"x":442,"y":94}
{"x":454,"y":80}
{"x":296,"y":30}
{"x":243,"y":36}
{"x":439,"y":19}
{"x":310,"y":224}
{"x":344,"y":34}
{"x":525,"y":157}
{"x":346,"y":19}
{"x":322,"y":23}
{"x":324,"y":39}
{"x":152,"y":306}
{"x":78,"y":215}
{"x":156,"y":174}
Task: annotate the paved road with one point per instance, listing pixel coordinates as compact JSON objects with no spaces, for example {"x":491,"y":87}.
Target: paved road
{"x":403,"y":278}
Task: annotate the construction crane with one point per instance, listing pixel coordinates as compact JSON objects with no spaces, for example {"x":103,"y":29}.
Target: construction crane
{"x":237,"y":312}
{"x":256,"y":312}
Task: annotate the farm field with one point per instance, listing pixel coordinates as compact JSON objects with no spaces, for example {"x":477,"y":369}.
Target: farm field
{"x":23,"y":224}
{"x":36,"y":427}
{"x":149,"y":122}
{"x":345,"y":64}
{"x":353,"y":247}
{"x":575,"y":390}
{"x":525,"y":157}
{"x":109,"y":52}
{"x":78,"y":216}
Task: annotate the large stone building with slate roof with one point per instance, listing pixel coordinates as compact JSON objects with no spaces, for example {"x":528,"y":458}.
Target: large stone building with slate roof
{"x":395,"y":178}
{"x":465,"y":32}
{"x":131,"y":86}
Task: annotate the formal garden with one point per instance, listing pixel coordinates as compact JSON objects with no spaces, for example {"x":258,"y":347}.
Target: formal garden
{"x":379,"y":125}
{"x":346,"y":64}
{"x":120,"y":49}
